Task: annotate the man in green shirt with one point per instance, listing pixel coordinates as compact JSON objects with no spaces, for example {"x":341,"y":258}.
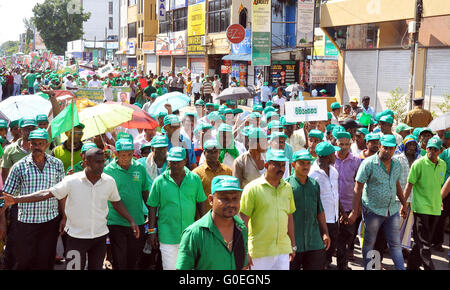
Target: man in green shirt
{"x":426,"y":177}
{"x":63,"y":151}
{"x":311,"y":232}
{"x":424,"y":135}
{"x":81,"y":165}
{"x":175,"y":195}
{"x":42,"y":121}
{"x":133,"y":186}
{"x":218,"y":241}
{"x":30,"y":79}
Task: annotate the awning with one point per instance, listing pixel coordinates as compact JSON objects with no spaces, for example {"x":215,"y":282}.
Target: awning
{"x":238,"y":57}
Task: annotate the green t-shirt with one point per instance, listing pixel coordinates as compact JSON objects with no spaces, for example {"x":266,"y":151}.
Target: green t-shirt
{"x":31,"y":78}
{"x":149,"y":90}
{"x":76,"y":168}
{"x":64,"y":155}
{"x":308,"y":206}
{"x":427,"y":179}
{"x":176,"y":205}
{"x":202,"y":246}
{"x":446,"y":157}
{"x":13,"y":153}
{"x":130,"y":184}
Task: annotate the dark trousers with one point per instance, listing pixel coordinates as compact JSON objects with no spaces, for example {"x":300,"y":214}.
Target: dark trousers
{"x":36,"y":245}
{"x":196,"y":96}
{"x":95,"y":249}
{"x":438,"y":237}
{"x":423,"y":230}
{"x":357,"y":222}
{"x":207,"y":98}
{"x":333,"y":231}
{"x":343,"y":244}
{"x":11,"y":244}
{"x":126,"y":249}
{"x":310,"y":260}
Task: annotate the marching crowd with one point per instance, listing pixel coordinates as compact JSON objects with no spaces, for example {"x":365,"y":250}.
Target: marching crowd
{"x":221,"y":187}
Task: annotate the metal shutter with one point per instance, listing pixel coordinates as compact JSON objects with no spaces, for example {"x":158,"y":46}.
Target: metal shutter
{"x":165,"y":64}
{"x":360,"y":75}
{"x":151,"y":63}
{"x":437,"y":76}
{"x":179,"y":64}
{"x":393,"y":72}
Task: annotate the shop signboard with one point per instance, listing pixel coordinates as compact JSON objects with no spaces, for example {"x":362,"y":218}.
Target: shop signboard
{"x":284,"y":71}
{"x":261,"y":34}
{"x":323,"y":72}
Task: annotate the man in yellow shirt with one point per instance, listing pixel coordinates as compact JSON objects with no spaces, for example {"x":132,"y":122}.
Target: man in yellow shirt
{"x":418,"y":117}
{"x":267,"y":205}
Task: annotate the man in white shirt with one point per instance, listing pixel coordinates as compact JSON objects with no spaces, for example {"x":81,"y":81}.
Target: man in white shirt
{"x":69,"y":84}
{"x":94,"y":83}
{"x":280,"y":100}
{"x":17,"y":82}
{"x":266,"y":94}
{"x":196,"y":88}
{"x":86,"y":209}
{"x":217,"y":85}
{"x":327,"y":176}
{"x":108,"y":92}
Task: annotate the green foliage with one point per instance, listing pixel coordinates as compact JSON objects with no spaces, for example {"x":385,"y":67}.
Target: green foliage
{"x":445,"y":106}
{"x":56,"y":25}
{"x":10,"y":47}
{"x":398,"y":102}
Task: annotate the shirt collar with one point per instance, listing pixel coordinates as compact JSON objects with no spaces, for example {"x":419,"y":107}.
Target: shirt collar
{"x":48,"y":158}
{"x":264,"y":181}
{"x":207,"y":222}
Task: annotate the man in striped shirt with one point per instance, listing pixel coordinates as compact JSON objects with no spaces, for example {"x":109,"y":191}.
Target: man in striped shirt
{"x":207,"y":90}
{"x":38,"y":223}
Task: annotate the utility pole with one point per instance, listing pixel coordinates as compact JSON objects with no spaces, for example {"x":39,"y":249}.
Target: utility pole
{"x":415,"y":35}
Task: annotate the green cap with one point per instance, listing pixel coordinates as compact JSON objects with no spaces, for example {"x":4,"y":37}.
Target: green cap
{"x":124,"y":145}
{"x":201,"y":127}
{"x":271,"y":115}
{"x":325,"y":149}
{"x":258,"y":108}
{"x":138,"y":104}
{"x":222,"y":109}
{"x":329,"y":116}
{"x":302,"y":155}
{"x":335,"y":106}
{"x":211,"y":144}
{"x":254,"y":115}
{"x":425,"y":129}
{"x":275,"y":124}
{"x":230,"y":102}
{"x":268,"y":109}
{"x":87,"y":146}
{"x":269,"y":103}
{"x":388,"y":140}
{"x":447,"y":134}
{"x":159,"y":141}
{"x":225,"y":183}
{"x":416,"y":132}
{"x":277,"y":135}
{"x":323,"y":91}
{"x":257,"y":133}
{"x":214,"y":116}
{"x":41,"y":118}
{"x":225,"y":128}
{"x":246,"y":130}
{"x":266,"y":83}
{"x":435,"y":142}
{"x":276,"y":155}
{"x":38,"y":134}
{"x":314,"y":133}
{"x":387,"y":119}
{"x":364,"y":131}
{"x":402,"y":127}
{"x":200,"y":102}
{"x":228,"y":111}
{"x":3,"y":124}
{"x":340,"y":135}
{"x":372,"y":136}
{"x":154,"y":96}
{"x":193,"y":114}
{"x":338,"y":129}
{"x":209,"y":104}
{"x":13,"y":123}
{"x":123,"y":135}
{"x":171,"y":120}
{"x":177,"y":154}
{"x":25,"y":122}
{"x":389,"y":112}
{"x":330,"y":127}
{"x":286,"y":123}
{"x":162,"y":114}
{"x":237,"y":111}
{"x":146,"y":145}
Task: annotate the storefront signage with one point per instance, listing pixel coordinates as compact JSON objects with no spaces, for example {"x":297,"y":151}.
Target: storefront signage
{"x":301,"y":111}
{"x":235,"y":33}
{"x":284,"y":71}
{"x":323,"y":72}
{"x":161,"y":4}
{"x":305,"y":23}
{"x":261,"y":36}
{"x":196,"y":28}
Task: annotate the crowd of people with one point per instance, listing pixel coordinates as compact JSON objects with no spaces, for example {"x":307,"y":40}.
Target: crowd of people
{"x":219,"y":187}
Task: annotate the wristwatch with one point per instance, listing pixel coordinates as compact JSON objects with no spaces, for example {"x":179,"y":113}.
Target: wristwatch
{"x":294,"y":248}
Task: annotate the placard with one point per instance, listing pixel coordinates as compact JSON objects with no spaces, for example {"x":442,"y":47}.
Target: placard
{"x":301,"y":111}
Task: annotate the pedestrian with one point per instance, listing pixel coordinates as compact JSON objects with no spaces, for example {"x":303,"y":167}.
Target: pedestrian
{"x":366,"y":108}
{"x":336,"y":111}
{"x":218,"y":241}
{"x":347,"y":166}
{"x":280,"y":99}
{"x":175,"y":195}
{"x":418,"y":116}
{"x":425,"y":178}
{"x":267,"y":205}
{"x":385,"y":124}
{"x":206,"y":90}
{"x":425,"y":135}
{"x":156,"y":162}
{"x":377,"y":184}
{"x":42,"y":121}
{"x":311,"y":232}
{"x":372,"y":143}
{"x":38,"y":224}
{"x":403,"y":130}
{"x":17,"y":82}
{"x":360,"y":141}
{"x":327,"y":176}
{"x":86,"y":194}
{"x":196,"y":86}
{"x":80,"y":166}
{"x":314,"y":137}
{"x":217,"y":85}
{"x":30,"y":78}
{"x":64,"y":152}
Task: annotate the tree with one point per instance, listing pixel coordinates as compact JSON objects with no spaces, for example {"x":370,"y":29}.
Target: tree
{"x":29,"y":33}
{"x":56,"y":25}
{"x":10,"y":47}
{"x":398,"y":102}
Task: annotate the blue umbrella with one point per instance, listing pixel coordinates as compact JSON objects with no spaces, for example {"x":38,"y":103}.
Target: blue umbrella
{"x":176,"y":99}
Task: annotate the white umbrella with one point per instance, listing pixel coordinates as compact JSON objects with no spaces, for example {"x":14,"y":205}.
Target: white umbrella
{"x":235,"y":93}
{"x":20,"y":106}
{"x":440,"y":123}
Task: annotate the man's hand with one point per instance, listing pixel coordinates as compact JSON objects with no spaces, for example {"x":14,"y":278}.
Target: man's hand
{"x":404,"y":211}
{"x":344,"y":217}
{"x":9,"y":200}
{"x":292,"y":256}
{"x":249,"y":264}
{"x":62,"y":225}
{"x":70,"y":172}
{"x":326,"y":241}
{"x":135,"y":229}
{"x":153,"y":241}
{"x":351,"y":218}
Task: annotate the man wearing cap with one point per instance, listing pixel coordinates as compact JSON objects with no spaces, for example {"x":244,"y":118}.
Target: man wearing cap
{"x":418,"y":116}
{"x":355,"y":109}
{"x":377,"y":184}
{"x":385,"y":123}
{"x":336,"y":111}
{"x":176,"y":194}
{"x":42,"y":121}
{"x":267,"y":205}
{"x":145,"y":137}
{"x":347,"y":166}
{"x":133,"y":186}
{"x":209,"y":108}
{"x":360,"y":141}
{"x":372,"y":144}
{"x":87,"y":193}
{"x":327,"y":177}
{"x":218,"y":241}
{"x":81,"y":165}
{"x":94,"y":83}
{"x":15,"y":131}
{"x":37,"y":84}
{"x":280,"y":99}
{"x":314,"y":137}
{"x":426,"y":177}
{"x":424,"y":136}
{"x":69,"y":84}
{"x":30,"y":78}
{"x":63,"y":151}
{"x":199,"y":107}
{"x":4,"y":131}
{"x":277,"y":141}
{"x":311,"y":232}
{"x":212,"y":167}
{"x":250,"y":165}
{"x":37,"y":227}
{"x":403,"y":130}
{"x":156,"y":162}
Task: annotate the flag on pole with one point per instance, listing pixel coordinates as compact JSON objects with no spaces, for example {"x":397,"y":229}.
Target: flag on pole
{"x":63,"y":121}
{"x":365,"y":119}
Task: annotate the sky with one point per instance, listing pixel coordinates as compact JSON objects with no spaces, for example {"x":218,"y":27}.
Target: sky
{"x":12,"y":13}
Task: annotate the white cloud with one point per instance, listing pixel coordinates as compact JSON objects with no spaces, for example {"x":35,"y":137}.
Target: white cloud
{"x":12,"y":13}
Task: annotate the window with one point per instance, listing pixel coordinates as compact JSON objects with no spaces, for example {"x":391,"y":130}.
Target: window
{"x":243,"y":18}
{"x":110,"y":23}
{"x":110,"y":8}
{"x":180,"y":19}
{"x":132,"y":30}
{"x":219,"y":15}
{"x":131,"y":2}
{"x":165,"y":26}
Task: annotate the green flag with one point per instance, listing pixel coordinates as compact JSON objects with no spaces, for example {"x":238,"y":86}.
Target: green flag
{"x":1,"y":151}
{"x":63,"y":121}
{"x":365,"y":119}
